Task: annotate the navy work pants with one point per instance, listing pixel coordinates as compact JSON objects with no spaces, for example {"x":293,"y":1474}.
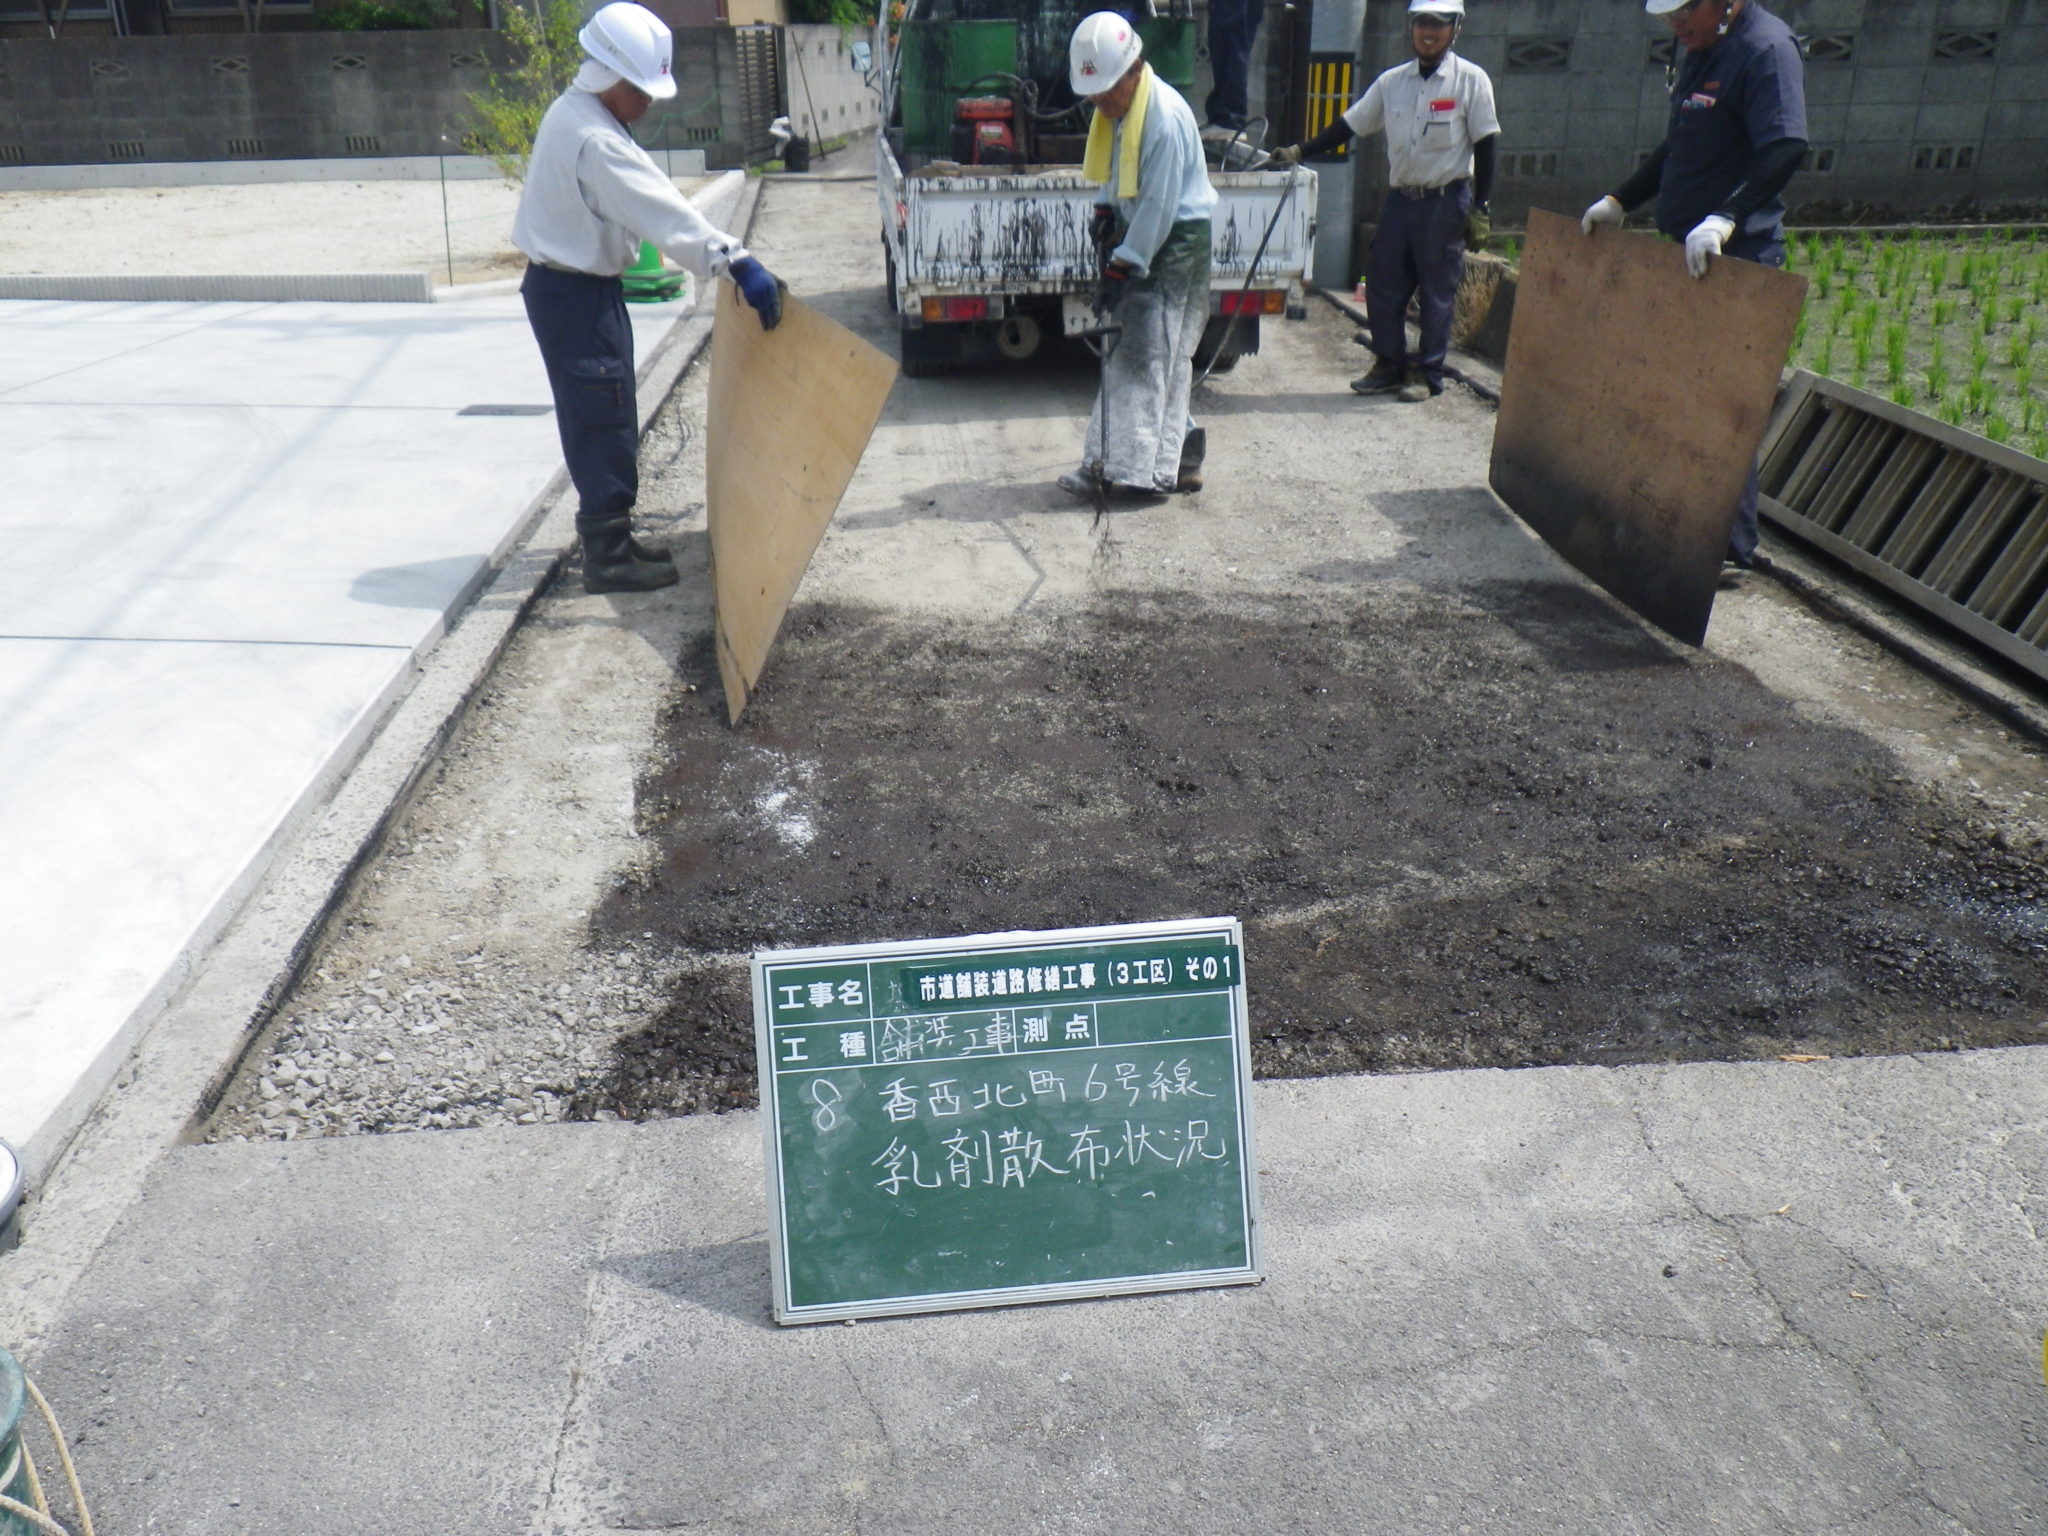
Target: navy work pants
{"x":1766,"y":249}
{"x":587,"y":343}
{"x":1233,"y":28}
{"x":1417,"y":253}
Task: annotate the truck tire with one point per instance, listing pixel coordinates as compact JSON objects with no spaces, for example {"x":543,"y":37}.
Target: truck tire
{"x":1244,"y":340}
{"x":927,"y":350}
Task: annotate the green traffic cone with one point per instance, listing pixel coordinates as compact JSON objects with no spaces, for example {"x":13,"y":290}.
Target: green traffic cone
{"x":646,"y":281}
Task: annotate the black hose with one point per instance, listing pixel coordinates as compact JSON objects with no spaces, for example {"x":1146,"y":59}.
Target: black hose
{"x":1251,"y":272}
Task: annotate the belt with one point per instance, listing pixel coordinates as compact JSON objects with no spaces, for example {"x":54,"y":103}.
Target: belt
{"x":535,"y":261}
{"x":1418,"y":193}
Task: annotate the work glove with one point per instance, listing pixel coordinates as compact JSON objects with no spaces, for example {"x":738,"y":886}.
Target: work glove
{"x":760,"y":289}
{"x":1706,"y":240}
{"x":1478,"y":228}
{"x":1111,"y":286}
{"x":1283,"y":157}
{"x":1102,"y":226}
{"x":1607,"y":211}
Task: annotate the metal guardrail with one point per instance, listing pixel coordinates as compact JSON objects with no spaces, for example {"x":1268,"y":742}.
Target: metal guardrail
{"x":1948,"y":520}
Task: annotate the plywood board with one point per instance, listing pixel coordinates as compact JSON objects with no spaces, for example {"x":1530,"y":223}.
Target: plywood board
{"x":1631,"y":407}
{"x":790,"y":414}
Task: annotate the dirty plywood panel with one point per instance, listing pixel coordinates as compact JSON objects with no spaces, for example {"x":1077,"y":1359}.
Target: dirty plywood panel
{"x":1631,"y":407}
{"x":789,"y":415}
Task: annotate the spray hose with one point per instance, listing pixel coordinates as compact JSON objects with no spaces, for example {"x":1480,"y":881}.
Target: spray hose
{"x":37,"y":1511}
{"x":1251,"y":273}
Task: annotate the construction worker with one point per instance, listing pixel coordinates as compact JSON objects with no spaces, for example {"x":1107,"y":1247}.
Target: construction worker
{"x":1737,"y":133}
{"x":1152,"y":227}
{"x":1437,"y":111}
{"x":591,"y":197}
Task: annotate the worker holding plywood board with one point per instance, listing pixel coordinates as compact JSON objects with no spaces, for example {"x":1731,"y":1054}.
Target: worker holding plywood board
{"x":790,"y":414}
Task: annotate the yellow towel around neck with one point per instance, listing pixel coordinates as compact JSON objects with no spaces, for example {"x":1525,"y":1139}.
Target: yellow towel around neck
{"x":1101,"y":134}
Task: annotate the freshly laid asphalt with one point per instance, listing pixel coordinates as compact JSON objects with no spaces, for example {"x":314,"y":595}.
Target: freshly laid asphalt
{"x":1777,"y":1297}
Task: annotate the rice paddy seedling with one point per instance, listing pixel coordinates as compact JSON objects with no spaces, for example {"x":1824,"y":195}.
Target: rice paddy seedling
{"x":2015,"y":349}
{"x":1825,"y":363}
{"x":1978,"y":395}
{"x":2023,"y":381}
{"x":2030,"y":413}
{"x":1902,"y":394}
{"x":2033,"y":330}
{"x":2038,"y":447}
{"x":1861,"y":342}
{"x":1998,"y":429}
{"x":1980,"y":358}
{"x":1799,"y":331}
{"x":1952,"y":410}
{"x":2015,"y":308}
{"x":1968,"y":273}
{"x":1895,"y":351}
{"x":1944,"y":311}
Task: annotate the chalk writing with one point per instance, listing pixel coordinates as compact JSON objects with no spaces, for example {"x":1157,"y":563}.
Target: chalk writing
{"x":1010,"y":1157}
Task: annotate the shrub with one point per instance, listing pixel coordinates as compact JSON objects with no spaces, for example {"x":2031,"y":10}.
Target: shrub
{"x":510,"y":106}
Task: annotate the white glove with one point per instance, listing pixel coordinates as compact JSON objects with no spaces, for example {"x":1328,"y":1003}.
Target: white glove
{"x":1705,"y":241}
{"x":1606,"y":211}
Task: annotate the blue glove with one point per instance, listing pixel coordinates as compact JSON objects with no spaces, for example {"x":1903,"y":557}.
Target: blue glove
{"x":760,"y":289}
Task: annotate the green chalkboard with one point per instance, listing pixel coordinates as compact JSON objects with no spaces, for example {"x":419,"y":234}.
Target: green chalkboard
{"x":1006,"y":1118}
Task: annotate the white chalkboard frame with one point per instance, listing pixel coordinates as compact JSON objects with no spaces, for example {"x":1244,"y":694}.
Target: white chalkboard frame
{"x":1249,"y":1273}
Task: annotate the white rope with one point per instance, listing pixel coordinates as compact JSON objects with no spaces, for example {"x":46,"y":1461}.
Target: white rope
{"x":38,"y":1513}
{"x":41,"y":1522}
{"x":63,"y":1456}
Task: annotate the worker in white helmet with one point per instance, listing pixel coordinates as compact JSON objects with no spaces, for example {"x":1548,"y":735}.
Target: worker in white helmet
{"x":1737,"y":132}
{"x":1442,"y":131}
{"x":591,"y":197}
{"x":1151,"y":222}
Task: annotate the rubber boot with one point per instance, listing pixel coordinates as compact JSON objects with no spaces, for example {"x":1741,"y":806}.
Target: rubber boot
{"x":1193,"y":449}
{"x":647,"y":552}
{"x":609,"y":564}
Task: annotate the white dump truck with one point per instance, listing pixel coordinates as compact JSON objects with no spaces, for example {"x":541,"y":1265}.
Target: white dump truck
{"x":985,"y":212}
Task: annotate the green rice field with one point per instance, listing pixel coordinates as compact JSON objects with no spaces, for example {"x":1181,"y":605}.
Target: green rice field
{"x":1949,"y":324}
{"x":1946,"y":324}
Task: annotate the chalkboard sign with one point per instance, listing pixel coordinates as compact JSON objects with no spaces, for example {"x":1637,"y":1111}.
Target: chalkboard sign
{"x":1007,"y":1118}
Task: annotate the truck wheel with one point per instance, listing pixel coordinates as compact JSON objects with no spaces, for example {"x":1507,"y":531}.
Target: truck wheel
{"x":1244,"y":340}
{"x":930,"y":349}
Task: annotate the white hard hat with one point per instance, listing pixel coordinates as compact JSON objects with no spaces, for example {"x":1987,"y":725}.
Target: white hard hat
{"x":1104,"y":48}
{"x":1441,"y":7}
{"x":1664,"y":7}
{"x":634,"y":44}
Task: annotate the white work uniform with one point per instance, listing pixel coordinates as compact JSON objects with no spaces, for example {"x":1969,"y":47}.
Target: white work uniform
{"x":1431,"y":123}
{"x":592,"y":195}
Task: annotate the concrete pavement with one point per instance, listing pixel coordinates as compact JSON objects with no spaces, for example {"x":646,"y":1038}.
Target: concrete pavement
{"x":1732,"y":1298}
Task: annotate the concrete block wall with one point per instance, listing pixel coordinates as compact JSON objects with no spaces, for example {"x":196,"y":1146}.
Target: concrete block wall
{"x":315,"y":95}
{"x":1917,"y":108}
{"x":828,"y":94}
{"x":303,"y":95}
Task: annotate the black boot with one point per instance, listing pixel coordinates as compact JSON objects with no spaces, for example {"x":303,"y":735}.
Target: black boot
{"x":648,"y":552}
{"x":609,"y":564}
{"x":1193,"y":449}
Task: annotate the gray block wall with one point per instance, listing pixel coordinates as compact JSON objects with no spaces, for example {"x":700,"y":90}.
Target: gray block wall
{"x":313,"y":95}
{"x":1918,"y":109}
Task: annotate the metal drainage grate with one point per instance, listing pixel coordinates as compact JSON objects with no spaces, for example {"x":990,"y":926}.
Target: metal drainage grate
{"x":505,"y":410}
{"x":1953,"y":522}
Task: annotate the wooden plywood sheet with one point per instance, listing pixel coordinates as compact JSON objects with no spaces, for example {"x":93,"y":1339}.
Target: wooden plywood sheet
{"x":790,"y":414}
{"x":1631,"y":407}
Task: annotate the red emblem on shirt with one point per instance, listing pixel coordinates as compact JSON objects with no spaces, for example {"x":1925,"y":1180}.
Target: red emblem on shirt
{"x":1448,"y":104}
